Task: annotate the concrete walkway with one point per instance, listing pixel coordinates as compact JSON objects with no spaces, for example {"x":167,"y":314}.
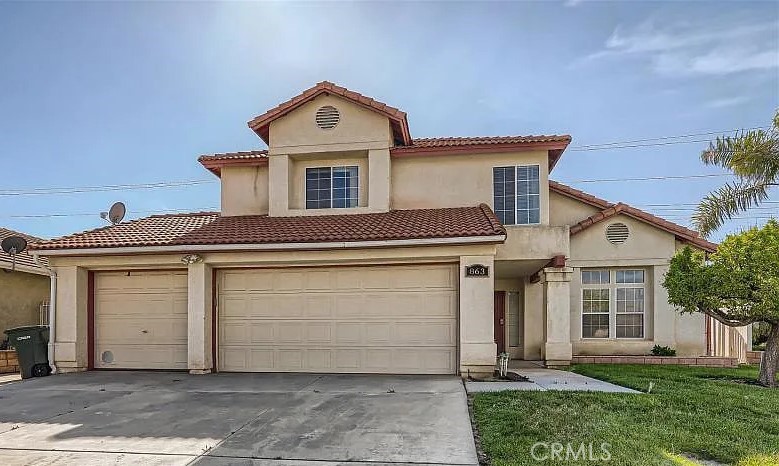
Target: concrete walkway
{"x":541,"y":379}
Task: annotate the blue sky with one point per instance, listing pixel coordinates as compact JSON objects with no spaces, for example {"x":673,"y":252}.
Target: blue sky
{"x":97,"y":94}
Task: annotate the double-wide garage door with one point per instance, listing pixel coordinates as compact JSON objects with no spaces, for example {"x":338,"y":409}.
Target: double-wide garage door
{"x":370,"y":319}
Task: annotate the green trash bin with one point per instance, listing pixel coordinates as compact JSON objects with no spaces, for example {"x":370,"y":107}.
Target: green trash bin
{"x":31,"y":344}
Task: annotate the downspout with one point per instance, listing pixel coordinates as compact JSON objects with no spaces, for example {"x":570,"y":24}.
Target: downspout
{"x":52,"y":310}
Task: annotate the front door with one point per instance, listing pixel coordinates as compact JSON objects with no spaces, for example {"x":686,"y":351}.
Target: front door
{"x":500,"y":321}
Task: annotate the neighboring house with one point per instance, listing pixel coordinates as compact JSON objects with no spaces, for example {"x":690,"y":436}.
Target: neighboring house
{"x":24,"y":291}
{"x":348,"y":246}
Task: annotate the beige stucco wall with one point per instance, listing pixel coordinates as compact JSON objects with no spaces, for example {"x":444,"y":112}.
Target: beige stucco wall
{"x":21,"y":295}
{"x":458,"y":180}
{"x":566,"y":211}
{"x":358,"y":129}
{"x":475,"y":305}
{"x":647,"y":248}
{"x":244,"y":190}
{"x":466,"y":180}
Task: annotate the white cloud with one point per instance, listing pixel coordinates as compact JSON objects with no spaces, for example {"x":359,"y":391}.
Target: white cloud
{"x":684,"y":48}
{"x":726,"y":102}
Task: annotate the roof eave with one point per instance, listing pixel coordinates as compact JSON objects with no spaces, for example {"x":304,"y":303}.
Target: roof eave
{"x":215,"y":166}
{"x":555,"y":149}
{"x":242,"y":247}
{"x":609,"y":210}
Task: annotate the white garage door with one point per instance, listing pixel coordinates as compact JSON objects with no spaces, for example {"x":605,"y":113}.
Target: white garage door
{"x":370,"y":319}
{"x":141,"y":320}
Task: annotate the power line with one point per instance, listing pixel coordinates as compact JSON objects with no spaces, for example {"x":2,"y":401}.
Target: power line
{"x":687,"y":204}
{"x":637,"y":142}
{"x":649,"y":178}
{"x":97,"y":214}
{"x":103,"y":188}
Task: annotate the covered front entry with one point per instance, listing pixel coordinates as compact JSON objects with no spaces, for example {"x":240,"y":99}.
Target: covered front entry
{"x":140,"y":319}
{"x":399,"y":319}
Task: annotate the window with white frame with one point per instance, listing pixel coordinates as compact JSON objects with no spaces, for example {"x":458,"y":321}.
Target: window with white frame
{"x":516,"y":194}
{"x":613,"y":303}
{"x":332,"y":187}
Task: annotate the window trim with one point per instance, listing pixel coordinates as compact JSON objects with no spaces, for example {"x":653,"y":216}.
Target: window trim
{"x":331,"y":169}
{"x":516,"y":193}
{"x":613,"y":286}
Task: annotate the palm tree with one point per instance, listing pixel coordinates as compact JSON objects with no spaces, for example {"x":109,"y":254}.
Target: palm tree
{"x":753,"y":156}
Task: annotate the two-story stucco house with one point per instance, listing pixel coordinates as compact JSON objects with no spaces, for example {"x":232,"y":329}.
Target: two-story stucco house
{"x":348,"y":246}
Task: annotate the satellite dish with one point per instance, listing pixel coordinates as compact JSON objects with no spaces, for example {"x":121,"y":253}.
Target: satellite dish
{"x":13,"y":245}
{"x":115,"y":214}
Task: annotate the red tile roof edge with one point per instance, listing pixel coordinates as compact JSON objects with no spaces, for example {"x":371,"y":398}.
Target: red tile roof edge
{"x":609,"y":210}
{"x":186,"y":237}
{"x":260,"y":123}
{"x":555,"y":144}
{"x":215,"y":162}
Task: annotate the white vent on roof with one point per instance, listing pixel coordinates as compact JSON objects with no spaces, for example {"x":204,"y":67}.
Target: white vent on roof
{"x":617,"y":233}
{"x":327,"y":117}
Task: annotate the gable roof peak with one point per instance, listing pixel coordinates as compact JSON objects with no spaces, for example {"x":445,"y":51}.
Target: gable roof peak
{"x":261,"y":123}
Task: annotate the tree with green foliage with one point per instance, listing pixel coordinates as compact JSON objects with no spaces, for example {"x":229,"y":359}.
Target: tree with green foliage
{"x":736,"y":285}
{"x":753,"y":156}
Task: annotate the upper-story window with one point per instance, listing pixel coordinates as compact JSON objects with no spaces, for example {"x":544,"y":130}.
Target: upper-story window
{"x":331,"y":187}
{"x":516,"y":192}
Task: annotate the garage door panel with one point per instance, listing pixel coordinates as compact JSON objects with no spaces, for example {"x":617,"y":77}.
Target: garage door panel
{"x":141,"y":304}
{"x":140,"y":282}
{"x":145,"y":356}
{"x":141,"y":319}
{"x":146,"y":331}
{"x":430,"y":333}
{"x":383,"y":319}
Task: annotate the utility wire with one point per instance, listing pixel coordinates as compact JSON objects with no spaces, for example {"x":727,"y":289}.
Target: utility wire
{"x":646,"y":142}
{"x":649,"y":178}
{"x":663,"y":138}
{"x":97,"y":214}
{"x":114,"y":187}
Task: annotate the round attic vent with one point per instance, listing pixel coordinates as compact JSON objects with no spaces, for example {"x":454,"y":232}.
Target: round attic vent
{"x":617,"y":233}
{"x":327,"y":117}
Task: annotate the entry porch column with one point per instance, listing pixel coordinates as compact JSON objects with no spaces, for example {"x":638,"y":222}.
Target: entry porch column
{"x":557,"y":309}
{"x":477,"y":338}
{"x":199,"y":318}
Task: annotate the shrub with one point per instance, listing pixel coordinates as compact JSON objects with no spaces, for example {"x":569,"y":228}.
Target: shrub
{"x":760,"y":334}
{"x":663,"y":351}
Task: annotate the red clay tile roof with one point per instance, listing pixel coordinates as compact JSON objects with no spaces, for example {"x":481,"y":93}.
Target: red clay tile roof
{"x":609,"y":210}
{"x":555,"y":144}
{"x":484,"y":140}
{"x":208,"y":228}
{"x":215,"y":162}
{"x":260,"y":124}
{"x":25,"y":258}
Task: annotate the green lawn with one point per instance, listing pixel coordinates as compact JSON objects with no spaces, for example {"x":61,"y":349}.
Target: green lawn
{"x":702,"y":412}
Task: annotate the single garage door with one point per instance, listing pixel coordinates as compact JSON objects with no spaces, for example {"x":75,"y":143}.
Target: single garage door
{"x":141,"y":320}
{"x":370,"y":319}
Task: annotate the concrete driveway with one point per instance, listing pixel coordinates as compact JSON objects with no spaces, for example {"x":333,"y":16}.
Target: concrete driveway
{"x":253,"y":419}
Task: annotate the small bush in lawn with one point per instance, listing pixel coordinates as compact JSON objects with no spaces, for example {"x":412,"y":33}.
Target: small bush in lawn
{"x":663,"y":351}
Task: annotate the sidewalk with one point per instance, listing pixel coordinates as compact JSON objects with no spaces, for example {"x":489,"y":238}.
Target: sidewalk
{"x":541,"y":379}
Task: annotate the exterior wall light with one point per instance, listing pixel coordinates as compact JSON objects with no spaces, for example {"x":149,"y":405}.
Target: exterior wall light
{"x":190,"y":259}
